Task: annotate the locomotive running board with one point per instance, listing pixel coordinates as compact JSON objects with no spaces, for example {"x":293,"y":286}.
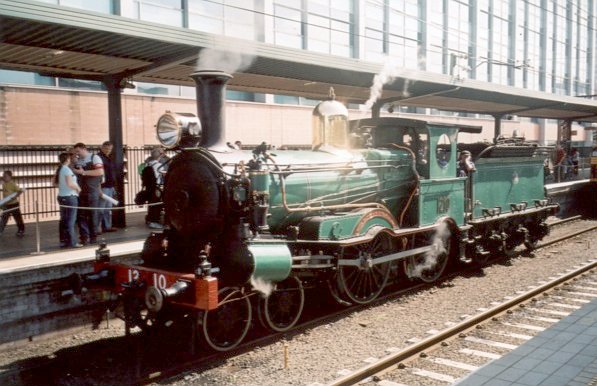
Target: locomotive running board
{"x":391,"y":257}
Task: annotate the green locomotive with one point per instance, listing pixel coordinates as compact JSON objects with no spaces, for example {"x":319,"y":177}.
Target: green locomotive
{"x":374,"y":198}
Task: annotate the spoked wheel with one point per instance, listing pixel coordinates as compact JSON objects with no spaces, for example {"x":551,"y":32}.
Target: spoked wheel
{"x":226,"y":326}
{"x":481,"y":256}
{"x":283,"y":307}
{"x":432,"y":265}
{"x":508,"y":249}
{"x":530,"y":242}
{"x":364,"y":281}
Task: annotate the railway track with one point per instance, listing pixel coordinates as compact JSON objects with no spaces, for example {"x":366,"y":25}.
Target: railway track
{"x":208,"y":362}
{"x":483,"y":337}
{"x":149,"y":374}
{"x":448,"y":355}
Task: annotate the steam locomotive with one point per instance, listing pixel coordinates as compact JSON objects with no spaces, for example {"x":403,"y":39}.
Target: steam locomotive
{"x":374,"y":199}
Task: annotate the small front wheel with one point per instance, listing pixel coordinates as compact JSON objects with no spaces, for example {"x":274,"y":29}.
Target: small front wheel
{"x":225,"y":327}
{"x":283,"y":307}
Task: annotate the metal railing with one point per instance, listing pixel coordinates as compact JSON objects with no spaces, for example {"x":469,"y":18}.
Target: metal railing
{"x":34,"y":167}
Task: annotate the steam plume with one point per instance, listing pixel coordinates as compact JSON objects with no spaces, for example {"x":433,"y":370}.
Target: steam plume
{"x":232,"y":59}
{"x":388,"y":73}
{"x":442,"y":233}
{"x":260,"y":285}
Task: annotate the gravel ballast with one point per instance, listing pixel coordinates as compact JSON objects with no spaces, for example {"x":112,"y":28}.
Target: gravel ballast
{"x":320,"y":354}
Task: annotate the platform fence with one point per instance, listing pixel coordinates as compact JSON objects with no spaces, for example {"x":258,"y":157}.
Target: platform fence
{"x":34,"y":167}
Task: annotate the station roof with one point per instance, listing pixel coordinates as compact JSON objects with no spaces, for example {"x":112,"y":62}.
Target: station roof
{"x":73,"y":43}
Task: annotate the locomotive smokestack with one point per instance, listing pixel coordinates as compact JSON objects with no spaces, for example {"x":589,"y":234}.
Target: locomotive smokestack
{"x":211,"y":94}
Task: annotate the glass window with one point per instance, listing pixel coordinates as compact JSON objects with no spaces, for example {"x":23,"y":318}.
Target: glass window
{"x":443,"y":151}
{"x":167,"y":12}
{"x":244,"y":96}
{"x":227,"y":17}
{"x":22,"y":77}
{"x":287,"y":26}
{"x":286,"y":99}
{"x":81,"y":84}
{"x":157,"y":89}
{"x":103,"y":6}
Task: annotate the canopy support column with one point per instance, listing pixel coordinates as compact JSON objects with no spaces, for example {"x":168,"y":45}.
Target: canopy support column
{"x":497,"y":127}
{"x":114,"y":87}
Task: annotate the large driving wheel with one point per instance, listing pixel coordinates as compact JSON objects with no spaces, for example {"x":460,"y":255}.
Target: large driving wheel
{"x":226,"y":326}
{"x":283,"y":307}
{"x":364,"y":281}
{"x":431,"y":266}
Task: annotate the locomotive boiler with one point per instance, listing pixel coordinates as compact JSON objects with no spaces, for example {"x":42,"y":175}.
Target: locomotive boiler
{"x":373,"y":200}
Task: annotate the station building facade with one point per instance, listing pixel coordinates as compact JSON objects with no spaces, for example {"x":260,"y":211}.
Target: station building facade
{"x":540,"y":45}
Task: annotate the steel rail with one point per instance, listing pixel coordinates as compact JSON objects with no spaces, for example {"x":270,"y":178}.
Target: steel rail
{"x":565,"y":220}
{"x":211,"y":360}
{"x":566,"y":237}
{"x":207,"y":362}
{"x":417,"y":348}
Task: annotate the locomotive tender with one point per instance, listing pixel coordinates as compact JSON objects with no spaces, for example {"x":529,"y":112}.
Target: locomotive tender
{"x":374,"y":198}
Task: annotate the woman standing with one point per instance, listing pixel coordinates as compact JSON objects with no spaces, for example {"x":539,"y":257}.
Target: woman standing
{"x":68,"y":198}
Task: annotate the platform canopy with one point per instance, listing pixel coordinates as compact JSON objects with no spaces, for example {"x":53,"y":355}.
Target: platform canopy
{"x":66,"y":42}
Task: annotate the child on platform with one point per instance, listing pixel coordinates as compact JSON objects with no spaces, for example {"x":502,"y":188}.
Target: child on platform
{"x":12,"y":207}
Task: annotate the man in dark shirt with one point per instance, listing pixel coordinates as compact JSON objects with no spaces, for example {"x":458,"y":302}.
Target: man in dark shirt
{"x":465,"y":164}
{"x":89,"y":170}
{"x":105,"y":216}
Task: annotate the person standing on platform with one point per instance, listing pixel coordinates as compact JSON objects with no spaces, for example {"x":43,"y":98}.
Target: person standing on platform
{"x":107,"y":186}
{"x":151,"y":178}
{"x":90,"y":171}
{"x":68,"y":198}
{"x":12,"y":207}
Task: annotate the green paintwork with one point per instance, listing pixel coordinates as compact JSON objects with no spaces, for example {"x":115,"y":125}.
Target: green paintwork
{"x":260,"y":180}
{"x":272,"y":261}
{"x":334,"y":187}
{"x":495,"y":183}
{"x":395,"y":182}
{"x":318,"y":187}
{"x":343,"y":225}
{"x":441,"y":198}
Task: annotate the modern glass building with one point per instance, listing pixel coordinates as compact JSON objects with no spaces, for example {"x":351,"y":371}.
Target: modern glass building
{"x":538,"y":45}
{"x":543,"y":45}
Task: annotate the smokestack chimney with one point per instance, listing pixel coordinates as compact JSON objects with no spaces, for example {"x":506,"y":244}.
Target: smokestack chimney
{"x":211,"y":95}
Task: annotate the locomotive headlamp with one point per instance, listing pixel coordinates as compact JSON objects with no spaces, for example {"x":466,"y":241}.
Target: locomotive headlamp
{"x":178,"y":130}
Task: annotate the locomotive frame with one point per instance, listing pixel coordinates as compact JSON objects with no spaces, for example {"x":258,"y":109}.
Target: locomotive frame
{"x":374,"y":198}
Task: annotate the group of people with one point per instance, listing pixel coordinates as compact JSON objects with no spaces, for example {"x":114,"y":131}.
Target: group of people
{"x":86,"y":189}
{"x":566,"y":164}
{"x":85,"y":182}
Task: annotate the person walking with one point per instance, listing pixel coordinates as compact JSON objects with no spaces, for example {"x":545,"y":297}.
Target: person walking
{"x":90,"y":170}
{"x":68,"y":199}
{"x":107,"y":187}
{"x":12,"y":207}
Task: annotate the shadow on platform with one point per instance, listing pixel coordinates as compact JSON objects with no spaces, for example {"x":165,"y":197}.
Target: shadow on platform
{"x":12,"y":246}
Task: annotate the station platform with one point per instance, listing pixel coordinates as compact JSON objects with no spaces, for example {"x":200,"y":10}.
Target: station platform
{"x":13,"y":247}
{"x":564,"y":354}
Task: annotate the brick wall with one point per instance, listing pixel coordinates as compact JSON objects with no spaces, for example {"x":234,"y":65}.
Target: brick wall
{"x":41,"y":116}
